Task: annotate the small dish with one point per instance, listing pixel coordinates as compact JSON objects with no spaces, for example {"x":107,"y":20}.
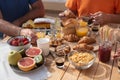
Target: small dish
{"x":18,"y":45}
{"x":82,"y":59}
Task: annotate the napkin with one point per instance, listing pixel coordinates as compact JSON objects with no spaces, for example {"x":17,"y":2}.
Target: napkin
{"x":6,"y":72}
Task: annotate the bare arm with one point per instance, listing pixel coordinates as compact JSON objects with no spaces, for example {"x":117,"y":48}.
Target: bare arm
{"x":115,"y":18}
{"x":37,"y":11}
{"x":8,"y":28}
{"x":1,"y":15}
{"x":103,"y":18}
{"x":12,"y":30}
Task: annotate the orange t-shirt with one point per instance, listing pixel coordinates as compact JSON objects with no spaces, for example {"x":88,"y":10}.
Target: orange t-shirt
{"x":85,"y":7}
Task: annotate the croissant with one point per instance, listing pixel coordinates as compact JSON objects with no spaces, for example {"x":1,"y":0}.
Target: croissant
{"x":71,"y":37}
{"x":87,"y":40}
{"x":83,"y":46}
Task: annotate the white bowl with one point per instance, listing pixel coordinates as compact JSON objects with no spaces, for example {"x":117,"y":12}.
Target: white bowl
{"x":17,"y":48}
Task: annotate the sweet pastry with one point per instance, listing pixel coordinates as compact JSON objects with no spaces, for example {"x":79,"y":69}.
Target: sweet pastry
{"x":56,"y":42}
{"x":83,"y":46}
{"x":29,"y":24}
{"x":43,"y":22}
{"x":87,"y":40}
{"x":71,"y":37}
{"x":38,"y":23}
{"x":63,"y":50}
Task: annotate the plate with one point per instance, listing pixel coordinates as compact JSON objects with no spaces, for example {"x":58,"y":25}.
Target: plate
{"x":16,"y":69}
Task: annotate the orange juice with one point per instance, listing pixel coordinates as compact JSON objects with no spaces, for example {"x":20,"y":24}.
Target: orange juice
{"x":83,"y":23}
{"x":83,"y":31}
{"x":59,"y":35}
{"x":40,"y":34}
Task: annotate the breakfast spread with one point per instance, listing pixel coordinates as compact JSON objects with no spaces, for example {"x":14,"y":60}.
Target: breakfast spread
{"x":31,"y":58}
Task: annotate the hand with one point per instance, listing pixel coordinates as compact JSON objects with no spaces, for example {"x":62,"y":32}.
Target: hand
{"x":100,"y":18}
{"x":30,"y":33}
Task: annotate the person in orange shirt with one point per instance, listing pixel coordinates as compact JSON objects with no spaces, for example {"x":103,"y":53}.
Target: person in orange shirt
{"x":102,"y":11}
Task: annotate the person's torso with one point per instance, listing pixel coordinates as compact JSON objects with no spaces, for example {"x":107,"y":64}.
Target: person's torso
{"x":12,"y":10}
{"x":91,"y":6}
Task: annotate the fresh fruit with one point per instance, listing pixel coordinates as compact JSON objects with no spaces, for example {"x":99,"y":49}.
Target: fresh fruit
{"x":26,"y":64}
{"x":19,"y":41}
{"x":13,"y":57}
{"x":39,"y":60}
{"x":33,"y":51}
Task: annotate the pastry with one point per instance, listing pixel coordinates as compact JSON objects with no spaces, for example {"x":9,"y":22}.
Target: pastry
{"x":69,"y":26}
{"x":39,"y":23}
{"x":83,"y":46}
{"x":63,"y":50}
{"x":71,"y":37}
{"x":67,"y":14}
{"x":43,"y":22}
{"x":56,"y":42}
{"x":29,"y":24}
{"x":87,"y":40}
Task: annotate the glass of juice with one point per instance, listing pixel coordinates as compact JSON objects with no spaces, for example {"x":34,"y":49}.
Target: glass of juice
{"x":104,"y":52}
{"x":81,"y":31}
{"x":40,"y":33}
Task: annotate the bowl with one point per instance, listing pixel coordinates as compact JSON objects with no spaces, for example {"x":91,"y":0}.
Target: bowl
{"x":19,"y":42}
{"x":81,"y":59}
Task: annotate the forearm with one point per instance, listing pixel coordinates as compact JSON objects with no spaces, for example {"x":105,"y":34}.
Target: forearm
{"x":37,"y":10}
{"x":114,"y":18}
{"x":30,"y":15}
{"x":8,"y":28}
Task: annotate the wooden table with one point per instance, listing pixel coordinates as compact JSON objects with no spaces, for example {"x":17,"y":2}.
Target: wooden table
{"x":98,"y":71}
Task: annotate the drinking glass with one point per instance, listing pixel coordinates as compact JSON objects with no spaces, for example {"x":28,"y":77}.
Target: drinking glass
{"x":41,"y":33}
{"x":94,"y":30}
{"x":59,"y":61}
{"x":82,"y":31}
{"x":43,"y":43}
{"x":104,"y":52}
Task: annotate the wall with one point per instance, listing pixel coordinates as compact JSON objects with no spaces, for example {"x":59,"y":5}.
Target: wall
{"x":54,"y":4}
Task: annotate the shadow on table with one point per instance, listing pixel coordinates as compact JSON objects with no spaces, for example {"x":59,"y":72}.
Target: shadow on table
{"x":103,"y":71}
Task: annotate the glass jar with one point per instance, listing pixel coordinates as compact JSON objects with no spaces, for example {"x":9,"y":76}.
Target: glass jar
{"x":104,"y":52}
